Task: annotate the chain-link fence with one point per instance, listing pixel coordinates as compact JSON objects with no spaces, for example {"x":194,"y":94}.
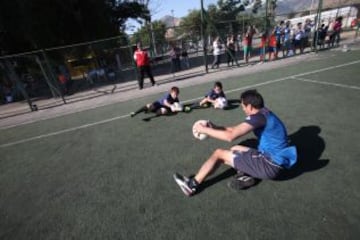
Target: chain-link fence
{"x":61,"y":73}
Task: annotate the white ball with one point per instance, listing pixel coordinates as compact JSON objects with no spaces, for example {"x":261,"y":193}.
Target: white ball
{"x":176,"y":107}
{"x":197,"y":135}
{"x":220,"y":103}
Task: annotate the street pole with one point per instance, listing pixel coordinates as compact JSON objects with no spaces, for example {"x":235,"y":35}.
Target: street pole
{"x":317,"y":23}
{"x":153,"y":38}
{"x":266,"y":15}
{"x":203,"y":37}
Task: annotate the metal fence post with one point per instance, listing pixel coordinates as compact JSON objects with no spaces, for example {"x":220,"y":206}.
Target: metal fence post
{"x":52,"y":76}
{"x":9,"y":69}
{"x":203,"y":37}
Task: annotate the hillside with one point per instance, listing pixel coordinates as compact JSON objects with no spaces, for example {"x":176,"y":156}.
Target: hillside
{"x":288,"y":6}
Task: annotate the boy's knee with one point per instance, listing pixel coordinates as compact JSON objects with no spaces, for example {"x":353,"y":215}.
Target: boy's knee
{"x":219,"y":152}
{"x":164,"y":111}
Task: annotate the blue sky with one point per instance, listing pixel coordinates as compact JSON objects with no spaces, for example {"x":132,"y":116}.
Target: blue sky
{"x":161,"y":8}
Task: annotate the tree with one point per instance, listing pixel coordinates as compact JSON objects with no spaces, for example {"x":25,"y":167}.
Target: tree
{"x":234,"y":7}
{"x":190,"y":25}
{"x":34,"y":24}
{"x":158,"y":29}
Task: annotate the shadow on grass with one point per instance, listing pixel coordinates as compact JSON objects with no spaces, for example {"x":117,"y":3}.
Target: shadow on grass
{"x":310,"y":147}
{"x":232,"y":104}
{"x":218,"y":178}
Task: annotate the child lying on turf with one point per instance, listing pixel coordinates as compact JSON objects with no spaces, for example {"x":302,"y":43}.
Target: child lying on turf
{"x":162,"y":106}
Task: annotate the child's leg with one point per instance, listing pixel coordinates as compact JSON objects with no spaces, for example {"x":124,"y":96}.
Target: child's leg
{"x":142,"y":109}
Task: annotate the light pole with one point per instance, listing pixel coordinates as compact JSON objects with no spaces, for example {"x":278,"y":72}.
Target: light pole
{"x":173,"y":22}
{"x":173,"y":18}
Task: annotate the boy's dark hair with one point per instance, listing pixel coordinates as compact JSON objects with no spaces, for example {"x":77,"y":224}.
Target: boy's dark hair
{"x":253,"y":98}
{"x":175,"y":89}
{"x":218,"y":84}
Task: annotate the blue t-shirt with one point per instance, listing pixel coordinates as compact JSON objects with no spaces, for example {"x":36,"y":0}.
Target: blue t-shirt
{"x":168,"y":98}
{"x":287,"y":31}
{"x":273,"y":139}
{"x":278,"y":33}
{"x":213,"y":95}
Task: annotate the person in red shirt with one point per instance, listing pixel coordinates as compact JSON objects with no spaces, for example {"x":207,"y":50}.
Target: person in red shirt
{"x":263,"y":43}
{"x":63,"y":83}
{"x":247,"y":42}
{"x":335,"y":36}
{"x":142,"y":60}
{"x":272,"y":46}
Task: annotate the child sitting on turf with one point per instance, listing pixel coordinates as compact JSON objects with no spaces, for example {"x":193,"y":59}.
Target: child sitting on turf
{"x":161,"y":106}
{"x":215,"y":97}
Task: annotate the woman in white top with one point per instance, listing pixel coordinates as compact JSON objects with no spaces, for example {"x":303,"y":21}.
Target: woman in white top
{"x":216,"y":53}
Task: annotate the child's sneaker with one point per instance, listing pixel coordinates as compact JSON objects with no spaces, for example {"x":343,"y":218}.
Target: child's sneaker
{"x":205,"y":105}
{"x":187,"y":109}
{"x":187,"y":185}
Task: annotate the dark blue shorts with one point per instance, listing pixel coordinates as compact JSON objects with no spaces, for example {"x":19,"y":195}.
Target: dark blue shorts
{"x":155,"y":106}
{"x":255,"y":164}
{"x":272,"y":49}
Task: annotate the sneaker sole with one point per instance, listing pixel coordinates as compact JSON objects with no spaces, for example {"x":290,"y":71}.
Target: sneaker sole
{"x":181,"y":183}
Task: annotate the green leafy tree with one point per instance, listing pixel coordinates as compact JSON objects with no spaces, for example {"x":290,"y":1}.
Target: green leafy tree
{"x":190,"y":25}
{"x":144,"y":35}
{"x":34,"y":24}
{"x":225,"y":17}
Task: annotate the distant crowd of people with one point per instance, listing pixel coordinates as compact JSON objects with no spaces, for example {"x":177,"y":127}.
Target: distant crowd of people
{"x":285,"y":38}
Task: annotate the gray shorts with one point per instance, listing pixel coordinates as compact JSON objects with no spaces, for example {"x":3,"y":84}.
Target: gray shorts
{"x":255,"y":164}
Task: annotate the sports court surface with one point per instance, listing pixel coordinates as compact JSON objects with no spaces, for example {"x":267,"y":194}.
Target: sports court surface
{"x":100,"y":174}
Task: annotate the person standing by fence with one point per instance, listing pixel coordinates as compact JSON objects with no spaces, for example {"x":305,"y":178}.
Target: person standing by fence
{"x":335,"y":36}
{"x":216,"y":52}
{"x":175,"y":58}
{"x":247,"y":42}
{"x":231,"y":52}
{"x":142,"y":60}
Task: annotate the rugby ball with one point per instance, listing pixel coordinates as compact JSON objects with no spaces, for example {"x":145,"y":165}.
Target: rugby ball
{"x":221,"y":103}
{"x":176,"y":107}
{"x":197,"y":135}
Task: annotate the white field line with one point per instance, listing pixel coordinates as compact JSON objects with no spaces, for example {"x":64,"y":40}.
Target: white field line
{"x":291,"y":77}
{"x":326,"y":83}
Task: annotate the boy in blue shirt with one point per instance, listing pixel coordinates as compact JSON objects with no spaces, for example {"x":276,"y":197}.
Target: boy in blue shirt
{"x":266,"y":162}
{"x":213,"y":98}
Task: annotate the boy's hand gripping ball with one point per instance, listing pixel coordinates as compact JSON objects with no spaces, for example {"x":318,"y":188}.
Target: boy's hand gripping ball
{"x":197,"y":135}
